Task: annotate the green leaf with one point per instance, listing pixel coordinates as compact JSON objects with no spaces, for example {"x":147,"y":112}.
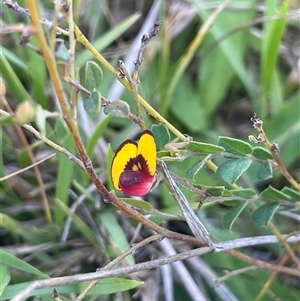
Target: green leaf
{"x":265,"y":171}
{"x":13,"y":261}
{"x":109,"y":158}
{"x":244,"y":193}
{"x":138,"y":203}
{"x":261,"y":153}
{"x":215,"y":190}
{"x":231,"y":170}
{"x":40,"y":120}
{"x":204,"y":148}
{"x":62,"y":53}
{"x":295,"y":195}
{"x":273,"y":33}
{"x":4,"y":279}
{"x":231,"y":215}
{"x":61,"y":130}
{"x":117,"y":108}
{"x":64,"y":177}
{"x":272,"y":193}
{"x":117,"y":233}
{"x":92,"y":104}
{"x":235,"y":146}
{"x":212,"y":190}
{"x":233,"y":48}
{"x":93,"y":76}
{"x":161,"y":134}
{"x":157,"y":219}
{"x":186,"y":107}
{"x":264,"y":213}
{"x":105,"y":286}
{"x":194,"y":169}
{"x":13,"y":83}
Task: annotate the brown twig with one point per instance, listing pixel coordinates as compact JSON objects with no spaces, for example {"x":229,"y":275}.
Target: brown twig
{"x":144,"y":41}
{"x":159,"y":262}
{"x":72,"y":124}
{"x":262,"y":264}
{"x":273,"y":147}
{"x":117,"y":260}
{"x":274,"y":274}
{"x":133,"y":84}
{"x":192,"y":219}
{"x":32,"y":159}
{"x":24,"y":11}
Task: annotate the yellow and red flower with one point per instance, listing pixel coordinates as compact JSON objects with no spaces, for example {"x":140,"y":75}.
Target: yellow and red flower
{"x":134,"y":165}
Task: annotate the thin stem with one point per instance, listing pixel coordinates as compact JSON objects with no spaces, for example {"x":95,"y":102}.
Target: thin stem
{"x":262,"y":264}
{"x":269,"y":282}
{"x":35,"y":167}
{"x":117,"y":260}
{"x":274,"y":148}
{"x":22,"y":295}
{"x":84,"y":41}
{"x":72,"y":124}
{"x":133,"y":84}
{"x":48,"y":141}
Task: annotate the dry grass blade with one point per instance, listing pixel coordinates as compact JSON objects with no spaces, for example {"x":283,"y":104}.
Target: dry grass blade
{"x":192,"y":219}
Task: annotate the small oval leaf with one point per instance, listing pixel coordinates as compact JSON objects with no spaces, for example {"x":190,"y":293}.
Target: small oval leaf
{"x":93,"y":76}
{"x":117,"y":108}
{"x":194,"y":169}
{"x":265,"y":171}
{"x":264,"y":213}
{"x":62,"y":53}
{"x":235,"y":146}
{"x":161,"y":135}
{"x":138,"y":203}
{"x":261,"y":153}
{"x":231,"y":170}
{"x":244,"y":193}
{"x":232,"y":214}
{"x":272,"y":193}
{"x":93,"y":103}
{"x":295,"y":195}
{"x":204,"y":148}
{"x":40,"y":119}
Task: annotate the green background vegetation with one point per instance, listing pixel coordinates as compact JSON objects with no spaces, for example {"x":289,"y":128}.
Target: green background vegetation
{"x":247,"y":62}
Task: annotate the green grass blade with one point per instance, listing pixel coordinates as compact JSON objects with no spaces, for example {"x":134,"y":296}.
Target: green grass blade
{"x":14,"y":86}
{"x":13,"y":261}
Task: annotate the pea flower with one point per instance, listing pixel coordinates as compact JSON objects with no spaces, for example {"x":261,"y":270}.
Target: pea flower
{"x":134,"y":165}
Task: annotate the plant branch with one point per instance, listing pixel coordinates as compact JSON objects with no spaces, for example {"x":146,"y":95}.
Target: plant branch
{"x":117,"y":260}
{"x":133,"y":84}
{"x":84,"y":41}
{"x":47,"y":141}
{"x":274,"y":148}
{"x":274,"y":274}
{"x":35,"y":167}
{"x":72,"y":124}
{"x":238,"y":243}
{"x":262,"y":264}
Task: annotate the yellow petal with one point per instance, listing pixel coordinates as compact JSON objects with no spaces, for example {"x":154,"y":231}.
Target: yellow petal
{"x":147,"y":148}
{"x":126,"y":151}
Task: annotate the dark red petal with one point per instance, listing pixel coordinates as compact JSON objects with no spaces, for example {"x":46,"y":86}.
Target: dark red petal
{"x":135,"y":183}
